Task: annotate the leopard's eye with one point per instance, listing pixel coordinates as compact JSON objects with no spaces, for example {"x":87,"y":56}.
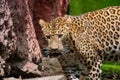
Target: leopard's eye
{"x":60,"y":35}
{"x":48,"y":37}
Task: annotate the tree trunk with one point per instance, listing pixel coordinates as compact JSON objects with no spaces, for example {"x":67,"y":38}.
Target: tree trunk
{"x":18,"y":43}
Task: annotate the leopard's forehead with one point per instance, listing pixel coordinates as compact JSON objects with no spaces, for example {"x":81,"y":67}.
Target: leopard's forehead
{"x":55,"y":26}
{"x":55,"y":23}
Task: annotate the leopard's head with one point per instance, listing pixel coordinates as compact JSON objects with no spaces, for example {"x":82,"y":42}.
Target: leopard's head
{"x":55,"y":31}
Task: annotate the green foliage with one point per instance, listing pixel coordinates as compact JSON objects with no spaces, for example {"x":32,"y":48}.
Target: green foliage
{"x":77,"y":7}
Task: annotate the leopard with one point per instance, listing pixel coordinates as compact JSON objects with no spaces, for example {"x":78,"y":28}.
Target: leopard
{"x":88,"y":39}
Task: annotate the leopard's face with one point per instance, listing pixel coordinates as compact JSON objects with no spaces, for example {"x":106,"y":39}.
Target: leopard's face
{"x":54,"y":32}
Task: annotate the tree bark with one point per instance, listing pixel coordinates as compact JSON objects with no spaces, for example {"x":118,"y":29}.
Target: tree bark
{"x":26,"y":44}
{"x":18,"y":41}
{"x":7,"y":35}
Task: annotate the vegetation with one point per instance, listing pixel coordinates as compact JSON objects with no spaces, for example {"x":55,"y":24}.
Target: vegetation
{"x":111,"y":67}
{"x":77,"y":7}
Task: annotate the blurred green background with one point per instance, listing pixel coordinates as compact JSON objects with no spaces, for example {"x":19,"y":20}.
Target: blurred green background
{"x":77,"y":7}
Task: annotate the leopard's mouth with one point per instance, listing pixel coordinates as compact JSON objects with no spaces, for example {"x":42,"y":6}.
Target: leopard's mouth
{"x":55,"y":54}
{"x":51,"y":53}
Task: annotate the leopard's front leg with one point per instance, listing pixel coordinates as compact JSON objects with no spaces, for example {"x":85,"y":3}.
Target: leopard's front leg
{"x":70,"y":67}
{"x":94,"y":66}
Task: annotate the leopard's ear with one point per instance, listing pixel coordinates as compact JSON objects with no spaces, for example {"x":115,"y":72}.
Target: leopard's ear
{"x":65,"y":15}
{"x":42,"y":23}
{"x":68,"y":20}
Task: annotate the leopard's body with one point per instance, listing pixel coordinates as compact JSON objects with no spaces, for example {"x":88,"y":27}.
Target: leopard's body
{"x":89,"y":38}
